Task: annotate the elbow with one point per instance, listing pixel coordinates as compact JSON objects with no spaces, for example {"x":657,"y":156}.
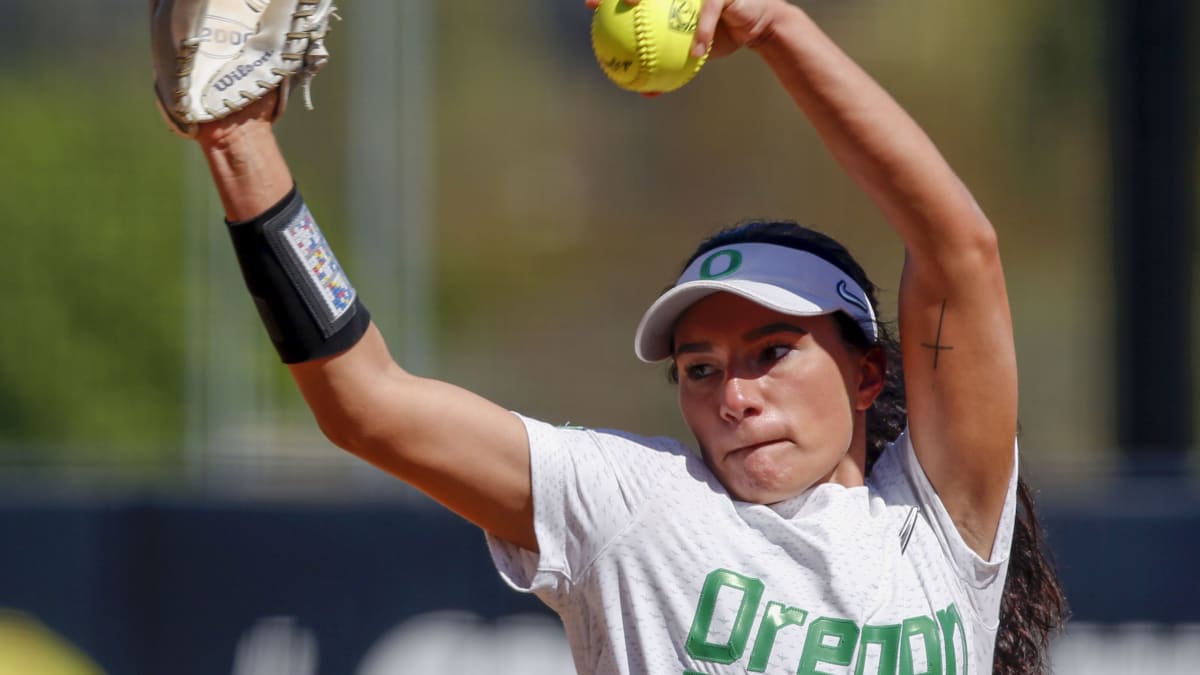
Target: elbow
{"x":343,"y":429}
{"x":979,"y":251}
{"x":345,"y":393}
{"x":969,"y":234}
{"x":967,"y":251}
{"x":364,"y":439}
{"x":947,"y":235}
{"x":372,"y":424}
{"x":338,"y":431}
{"x":342,"y":420}
{"x":984,"y":250}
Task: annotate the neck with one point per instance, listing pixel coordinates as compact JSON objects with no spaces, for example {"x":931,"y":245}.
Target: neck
{"x":851,"y":471}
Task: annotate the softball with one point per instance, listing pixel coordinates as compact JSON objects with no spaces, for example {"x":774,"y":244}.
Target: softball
{"x":647,"y":47}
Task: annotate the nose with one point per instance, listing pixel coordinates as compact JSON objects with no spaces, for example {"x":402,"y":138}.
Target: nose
{"x":740,"y":398}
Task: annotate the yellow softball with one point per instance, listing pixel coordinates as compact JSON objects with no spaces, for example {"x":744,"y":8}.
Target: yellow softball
{"x":647,"y":47}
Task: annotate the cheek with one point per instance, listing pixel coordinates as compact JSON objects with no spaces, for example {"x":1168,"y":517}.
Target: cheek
{"x":822,"y":402}
{"x":818,"y":381}
{"x":698,"y":413}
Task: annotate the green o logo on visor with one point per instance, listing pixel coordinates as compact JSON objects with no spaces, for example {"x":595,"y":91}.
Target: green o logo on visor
{"x":721,"y":264}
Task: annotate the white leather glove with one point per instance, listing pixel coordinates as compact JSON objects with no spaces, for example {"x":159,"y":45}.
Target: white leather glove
{"x":215,"y":57}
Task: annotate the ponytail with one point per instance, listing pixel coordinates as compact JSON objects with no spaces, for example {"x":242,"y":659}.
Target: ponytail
{"x":1033,"y":608}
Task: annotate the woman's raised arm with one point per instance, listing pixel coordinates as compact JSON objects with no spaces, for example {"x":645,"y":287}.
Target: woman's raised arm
{"x":955,"y":326}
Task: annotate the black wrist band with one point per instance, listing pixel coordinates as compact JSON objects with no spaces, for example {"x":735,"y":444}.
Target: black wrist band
{"x":307,"y":304}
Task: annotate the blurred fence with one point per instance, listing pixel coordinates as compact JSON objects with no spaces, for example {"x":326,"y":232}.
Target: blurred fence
{"x":147,"y":586}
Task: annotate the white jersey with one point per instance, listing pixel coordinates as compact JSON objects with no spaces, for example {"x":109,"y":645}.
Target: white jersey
{"x":655,"y":569}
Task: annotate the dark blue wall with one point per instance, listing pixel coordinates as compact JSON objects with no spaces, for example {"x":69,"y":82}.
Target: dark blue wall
{"x":150,"y":586}
{"x":1130,"y":555}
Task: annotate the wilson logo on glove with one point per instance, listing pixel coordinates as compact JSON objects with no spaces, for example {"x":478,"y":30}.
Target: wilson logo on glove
{"x":240,"y":72}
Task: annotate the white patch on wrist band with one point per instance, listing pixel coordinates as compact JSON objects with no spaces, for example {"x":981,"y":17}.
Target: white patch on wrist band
{"x":313,"y":267}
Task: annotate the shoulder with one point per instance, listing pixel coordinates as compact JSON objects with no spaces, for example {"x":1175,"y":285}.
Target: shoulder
{"x":899,"y":479}
{"x":630,"y":457}
{"x":572,"y":437}
{"x":889,"y":477}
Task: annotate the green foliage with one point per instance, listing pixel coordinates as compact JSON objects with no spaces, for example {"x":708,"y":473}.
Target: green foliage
{"x":91,"y":346}
{"x":562,"y":205}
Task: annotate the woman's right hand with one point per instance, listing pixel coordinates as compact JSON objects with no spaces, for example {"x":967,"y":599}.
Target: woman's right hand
{"x":728,"y":24}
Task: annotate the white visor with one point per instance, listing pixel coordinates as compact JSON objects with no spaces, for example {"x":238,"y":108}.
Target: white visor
{"x":781,"y":278}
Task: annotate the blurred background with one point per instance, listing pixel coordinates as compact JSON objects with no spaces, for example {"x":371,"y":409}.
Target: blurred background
{"x":167,"y":503}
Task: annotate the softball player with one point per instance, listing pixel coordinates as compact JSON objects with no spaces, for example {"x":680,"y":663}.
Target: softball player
{"x":841,"y":515}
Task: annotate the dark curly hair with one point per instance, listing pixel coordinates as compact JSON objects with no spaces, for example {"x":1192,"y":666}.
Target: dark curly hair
{"x":1033,"y":607}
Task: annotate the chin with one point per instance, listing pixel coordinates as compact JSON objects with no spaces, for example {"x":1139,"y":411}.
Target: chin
{"x":758,"y":493}
{"x":767,"y":482}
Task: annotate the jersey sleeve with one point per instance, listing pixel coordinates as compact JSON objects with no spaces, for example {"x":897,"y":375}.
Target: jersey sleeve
{"x":983,"y":579}
{"x":587,"y":487}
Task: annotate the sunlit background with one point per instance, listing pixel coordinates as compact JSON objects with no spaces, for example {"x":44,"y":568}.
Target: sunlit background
{"x":167,"y":503}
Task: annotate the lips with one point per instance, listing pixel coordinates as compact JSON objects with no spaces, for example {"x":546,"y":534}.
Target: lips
{"x":754,"y":446}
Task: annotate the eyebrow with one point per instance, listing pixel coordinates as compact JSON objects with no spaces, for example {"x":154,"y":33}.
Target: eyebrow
{"x":772,"y":328}
{"x":750,"y":336}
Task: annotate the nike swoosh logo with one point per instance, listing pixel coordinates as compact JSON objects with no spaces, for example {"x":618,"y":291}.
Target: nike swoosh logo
{"x":843,"y":291}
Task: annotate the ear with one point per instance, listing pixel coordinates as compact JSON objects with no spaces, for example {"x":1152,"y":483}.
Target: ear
{"x":872,"y":375}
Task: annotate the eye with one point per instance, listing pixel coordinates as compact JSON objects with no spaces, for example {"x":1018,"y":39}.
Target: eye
{"x":698,"y":371}
{"x":772,"y":353}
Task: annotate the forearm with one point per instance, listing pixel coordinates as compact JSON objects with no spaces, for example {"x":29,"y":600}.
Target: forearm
{"x":879,"y":145}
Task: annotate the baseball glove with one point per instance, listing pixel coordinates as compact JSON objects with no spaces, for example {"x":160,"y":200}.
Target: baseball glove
{"x":215,"y":57}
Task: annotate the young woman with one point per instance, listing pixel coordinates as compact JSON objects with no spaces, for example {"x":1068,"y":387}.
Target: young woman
{"x":842,"y":514}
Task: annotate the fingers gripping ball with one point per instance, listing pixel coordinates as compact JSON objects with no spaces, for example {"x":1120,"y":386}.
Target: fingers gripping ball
{"x":647,"y":47}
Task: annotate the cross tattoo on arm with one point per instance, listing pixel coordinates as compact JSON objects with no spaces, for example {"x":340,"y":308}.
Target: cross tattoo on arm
{"x":937,"y":345}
